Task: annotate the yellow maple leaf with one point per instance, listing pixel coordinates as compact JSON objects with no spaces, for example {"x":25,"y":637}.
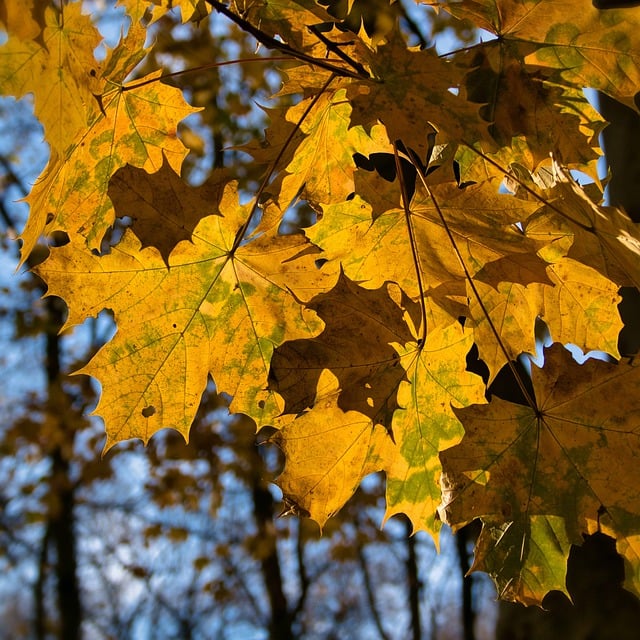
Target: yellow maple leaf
{"x":60,"y":70}
{"x":216,"y":310}
{"x":573,"y":225}
{"x":328,"y":451}
{"x":24,"y":19}
{"x":585,"y":46}
{"x":373,"y":251}
{"x":137,"y":126}
{"x":577,"y":304}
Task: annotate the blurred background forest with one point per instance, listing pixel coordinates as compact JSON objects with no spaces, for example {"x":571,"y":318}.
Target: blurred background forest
{"x":190,"y":541}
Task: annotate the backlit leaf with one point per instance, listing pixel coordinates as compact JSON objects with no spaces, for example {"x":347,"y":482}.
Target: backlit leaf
{"x":538,"y":476}
{"x":178,"y":325}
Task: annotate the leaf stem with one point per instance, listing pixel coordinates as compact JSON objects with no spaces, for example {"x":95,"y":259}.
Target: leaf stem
{"x":525,"y":392}
{"x":265,"y":181}
{"x":412,"y":241}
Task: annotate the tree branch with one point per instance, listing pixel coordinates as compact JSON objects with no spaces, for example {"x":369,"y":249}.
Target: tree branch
{"x":271,"y":43}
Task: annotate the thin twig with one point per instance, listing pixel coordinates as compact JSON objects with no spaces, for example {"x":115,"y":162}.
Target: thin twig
{"x":335,"y":48}
{"x":271,"y":43}
{"x":204,"y":67}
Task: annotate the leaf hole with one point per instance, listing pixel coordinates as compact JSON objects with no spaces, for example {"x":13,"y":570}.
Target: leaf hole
{"x":147,"y":412}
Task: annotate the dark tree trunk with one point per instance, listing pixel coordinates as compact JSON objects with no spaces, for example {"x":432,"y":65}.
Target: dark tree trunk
{"x":264,"y":511}
{"x":61,"y":524}
{"x":414,"y":584}
{"x":63,"y":536}
{"x":463,"y":536}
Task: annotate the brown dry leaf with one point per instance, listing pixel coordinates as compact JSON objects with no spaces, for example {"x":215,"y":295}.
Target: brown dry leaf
{"x":355,"y":346}
{"x":163,"y":208}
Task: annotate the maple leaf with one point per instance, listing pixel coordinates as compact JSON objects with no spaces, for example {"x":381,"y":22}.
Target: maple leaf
{"x":328,"y":451}
{"x":577,"y":304}
{"x":319,"y":159}
{"x":413,"y":98}
{"x":539,"y":476}
{"x":24,"y":19}
{"x":585,"y":46}
{"x":355,"y":346}
{"x":480,"y":220}
{"x":353,"y":341}
{"x":289,"y":19}
{"x":600,"y":237}
{"x":164,"y":209}
{"x":137,"y":126}
{"x":190,"y":10}
{"x":520,"y":104}
{"x":60,"y":70}
{"x":177,"y":325}
{"x":425,"y":422}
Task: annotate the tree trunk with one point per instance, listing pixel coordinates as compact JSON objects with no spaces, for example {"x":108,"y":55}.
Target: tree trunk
{"x":414,"y":584}
{"x":468,"y":614}
{"x":264,"y":511}
{"x":61,"y":523}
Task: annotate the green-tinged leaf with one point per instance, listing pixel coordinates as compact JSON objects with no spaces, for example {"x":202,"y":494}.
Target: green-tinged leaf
{"x":322,"y":167}
{"x":583,"y":45}
{"x":502,"y":547}
{"x":543,"y":475}
{"x":137,"y":126}
{"x":425,"y":423}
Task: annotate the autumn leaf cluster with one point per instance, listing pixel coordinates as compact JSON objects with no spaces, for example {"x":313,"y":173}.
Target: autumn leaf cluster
{"x":449,"y":235}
